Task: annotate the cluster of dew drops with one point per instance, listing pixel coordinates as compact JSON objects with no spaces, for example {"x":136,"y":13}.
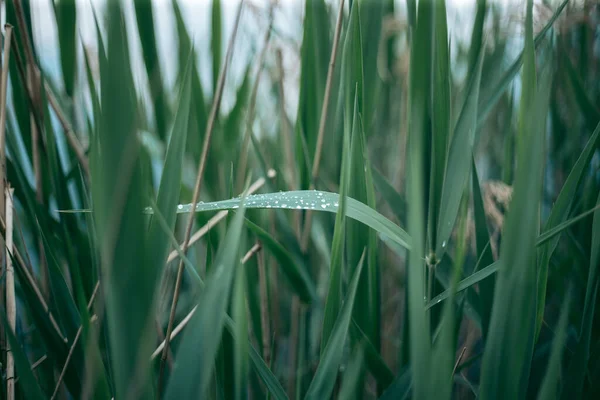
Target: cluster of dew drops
{"x":300,"y":200}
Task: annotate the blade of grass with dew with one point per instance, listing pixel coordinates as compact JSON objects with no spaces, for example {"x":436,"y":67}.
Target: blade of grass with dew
{"x":390,"y":195}
{"x":484,"y":252}
{"x":487,"y":104}
{"x":145,"y":23}
{"x":350,"y":388}
{"x":576,"y":373}
{"x":192,"y":372}
{"x":116,"y":185}
{"x":324,"y":380}
{"x":27,"y":382}
{"x":169,"y":188}
{"x":417,"y":171}
{"x":292,"y":266}
{"x":65,"y":15}
{"x":333,"y":302}
{"x":558,"y":215}
{"x":549,"y":389}
{"x":512,"y":326}
{"x":440,"y":118}
{"x":307,"y":200}
{"x":458,"y":168}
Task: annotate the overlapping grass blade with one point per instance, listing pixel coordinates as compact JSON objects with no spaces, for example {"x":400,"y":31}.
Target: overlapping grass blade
{"x":116,"y":186}
{"x":241,"y":335}
{"x":331,"y":356}
{"x":390,"y":195}
{"x":350,"y":388}
{"x":196,"y":356}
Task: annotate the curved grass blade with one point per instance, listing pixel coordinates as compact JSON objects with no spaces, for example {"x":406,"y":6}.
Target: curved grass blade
{"x":376,"y":365}
{"x":308,"y":200}
{"x":401,"y":388}
{"x":324,"y":380}
{"x":390,"y":195}
{"x":266,"y":375}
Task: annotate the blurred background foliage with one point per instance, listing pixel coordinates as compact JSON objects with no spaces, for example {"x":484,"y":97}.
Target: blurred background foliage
{"x":437,"y":114}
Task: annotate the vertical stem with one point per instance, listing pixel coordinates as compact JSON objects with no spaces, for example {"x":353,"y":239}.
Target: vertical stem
{"x":264,"y":309}
{"x":3,"y":88}
{"x":11,"y":305}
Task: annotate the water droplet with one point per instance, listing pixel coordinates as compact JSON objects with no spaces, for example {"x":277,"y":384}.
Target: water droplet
{"x":298,"y":207}
{"x":336,"y":204}
{"x":444,"y":243}
{"x":323,"y":205}
{"x":180,"y":207}
{"x":284,"y":205}
{"x":235,"y":206}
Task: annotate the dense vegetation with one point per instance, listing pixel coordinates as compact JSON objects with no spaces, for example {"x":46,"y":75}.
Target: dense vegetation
{"x":413,"y":231}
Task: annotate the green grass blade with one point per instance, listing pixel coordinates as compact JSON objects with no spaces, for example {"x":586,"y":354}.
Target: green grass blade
{"x":376,"y":365}
{"x":241,"y":335}
{"x":65,"y":14}
{"x":333,"y":301}
{"x":417,"y":175}
{"x":196,"y":356}
{"x":352,"y":376}
{"x":266,"y":375}
{"x":168,"y":191}
{"x":324,"y":380}
{"x":216,"y":42}
{"x":441,"y":117}
{"x":401,"y":388}
{"x":458,"y":168}
{"x":116,"y":186}
{"x":146,"y":30}
{"x":549,"y":389}
{"x":505,"y":373}
{"x":589,"y":110}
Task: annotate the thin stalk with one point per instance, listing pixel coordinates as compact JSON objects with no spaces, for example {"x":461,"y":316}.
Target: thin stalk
{"x":209,"y":129}
{"x":323,"y":121}
{"x":3,"y":88}
{"x":64,"y":370}
{"x":11,"y":304}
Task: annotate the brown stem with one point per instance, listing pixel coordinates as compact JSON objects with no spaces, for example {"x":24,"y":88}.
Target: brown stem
{"x":264,"y":310}
{"x":209,"y":130}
